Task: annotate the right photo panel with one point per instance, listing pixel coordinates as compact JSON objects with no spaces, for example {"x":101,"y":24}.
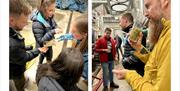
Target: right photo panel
{"x":131,"y":45}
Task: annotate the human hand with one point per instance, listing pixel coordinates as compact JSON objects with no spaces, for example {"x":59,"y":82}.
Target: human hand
{"x":137,"y":44}
{"x":49,"y":43}
{"x":120,"y":73}
{"x":43,"y":49}
{"x":106,"y":50}
{"x":58,"y":30}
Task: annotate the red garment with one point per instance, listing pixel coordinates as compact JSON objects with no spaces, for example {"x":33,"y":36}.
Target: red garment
{"x":115,"y":41}
{"x":102,"y":44}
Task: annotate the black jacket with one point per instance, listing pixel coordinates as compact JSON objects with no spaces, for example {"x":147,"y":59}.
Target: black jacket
{"x":18,"y":54}
{"x":129,"y":60}
{"x":43,"y":29}
{"x":49,"y":84}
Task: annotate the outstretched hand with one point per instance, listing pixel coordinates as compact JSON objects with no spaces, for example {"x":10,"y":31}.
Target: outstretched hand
{"x":120,"y":73}
{"x":43,"y":49}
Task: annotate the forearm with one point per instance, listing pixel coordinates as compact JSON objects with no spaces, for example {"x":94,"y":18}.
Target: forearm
{"x":137,"y":82}
{"x":31,"y":54}
{"x":143,"y":54}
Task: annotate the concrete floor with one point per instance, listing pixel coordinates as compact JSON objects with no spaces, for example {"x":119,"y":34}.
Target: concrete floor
{"x":123,"y":85}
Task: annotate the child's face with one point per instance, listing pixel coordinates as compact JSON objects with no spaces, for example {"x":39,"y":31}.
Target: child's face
{"x":75,"y":32}
{"x":19,"y":22}
{"x":50,"y":11}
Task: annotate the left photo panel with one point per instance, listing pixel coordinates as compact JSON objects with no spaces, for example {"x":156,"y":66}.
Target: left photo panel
{"x":48,"y":45}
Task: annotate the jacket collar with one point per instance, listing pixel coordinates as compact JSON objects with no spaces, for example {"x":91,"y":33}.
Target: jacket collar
{"x":127,"y":29}
{"x":15,"y":34}
{"x":41,"y":19}
{"x":38,"y":16}
{"x":166,"y":27}
{"x":106,"y":38}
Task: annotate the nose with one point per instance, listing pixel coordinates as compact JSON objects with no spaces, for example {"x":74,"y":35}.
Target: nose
{"x":120,"y":23}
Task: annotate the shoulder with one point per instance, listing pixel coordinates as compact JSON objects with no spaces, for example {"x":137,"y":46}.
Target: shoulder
{"x":43,"y":83}
{"x":37,"y":24}
{"x":49,"y":84}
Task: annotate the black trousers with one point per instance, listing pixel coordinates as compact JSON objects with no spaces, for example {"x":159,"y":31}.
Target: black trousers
{"x":48,"y":55}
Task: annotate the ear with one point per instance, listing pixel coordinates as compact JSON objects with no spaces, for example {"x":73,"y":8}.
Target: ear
{"x":164,"y":3}
{"x":11,"y":20}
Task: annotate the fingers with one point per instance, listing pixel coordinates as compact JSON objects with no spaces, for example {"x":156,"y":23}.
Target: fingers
{"x":140,"y":37}
{"x":118,"y":73}
{"x":132,"y":43}
{"x":117,"y":70}
{"x":58,"y":30}
{"x":43,"y":49}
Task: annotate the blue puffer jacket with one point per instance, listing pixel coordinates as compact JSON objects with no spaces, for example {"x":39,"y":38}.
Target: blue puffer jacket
{"x":43,"y":30}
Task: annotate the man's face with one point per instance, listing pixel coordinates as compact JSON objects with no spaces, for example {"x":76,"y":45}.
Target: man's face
{"x":107,"y":34}
{"x":153,"y":10}
{"x":122,"y":22}
{"x":18,"y":22}
{"x":154,"y":13}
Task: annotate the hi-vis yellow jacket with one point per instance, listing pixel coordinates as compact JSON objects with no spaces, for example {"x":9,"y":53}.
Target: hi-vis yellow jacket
{"x":157,"y":73}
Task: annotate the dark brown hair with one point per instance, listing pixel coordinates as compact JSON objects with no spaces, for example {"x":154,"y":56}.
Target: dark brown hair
{"x":18,"y":7}
{"x":82,"y":27}
{"x":66,"y":69}
{"x":108,"y":29}
{"x":69,"y":66}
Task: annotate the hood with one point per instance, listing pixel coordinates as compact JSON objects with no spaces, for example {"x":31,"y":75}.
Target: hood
{"x":37,"y":16}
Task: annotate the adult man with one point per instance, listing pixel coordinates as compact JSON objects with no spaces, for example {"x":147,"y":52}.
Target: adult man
{"x":18,"y":17}
{"x":157,"y":63}
{"x":129,"y":60}
{"x":105,"y":46}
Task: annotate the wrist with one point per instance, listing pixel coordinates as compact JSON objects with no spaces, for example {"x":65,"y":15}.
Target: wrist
{"x":140,"y":48}
{"x":144,"y":50}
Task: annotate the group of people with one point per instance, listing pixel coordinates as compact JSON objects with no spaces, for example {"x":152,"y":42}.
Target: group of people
{"x":144,"y":70}
{"x":61,"y":74}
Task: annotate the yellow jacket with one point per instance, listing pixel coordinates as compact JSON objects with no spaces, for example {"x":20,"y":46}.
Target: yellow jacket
{"x":157,"y":73}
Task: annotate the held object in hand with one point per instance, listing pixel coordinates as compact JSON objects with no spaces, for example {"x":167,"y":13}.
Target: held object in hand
{"x":134,"y":34}
{"x":65,"y":37}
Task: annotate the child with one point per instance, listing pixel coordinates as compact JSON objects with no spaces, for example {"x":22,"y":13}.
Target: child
{"x":44,"y":27}
{"x":79,"y":29}
{"x":63,"y":73}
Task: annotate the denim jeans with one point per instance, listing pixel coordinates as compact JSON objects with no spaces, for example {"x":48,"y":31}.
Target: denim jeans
{"x":85,"y":69}
{"x":107,"y":72}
